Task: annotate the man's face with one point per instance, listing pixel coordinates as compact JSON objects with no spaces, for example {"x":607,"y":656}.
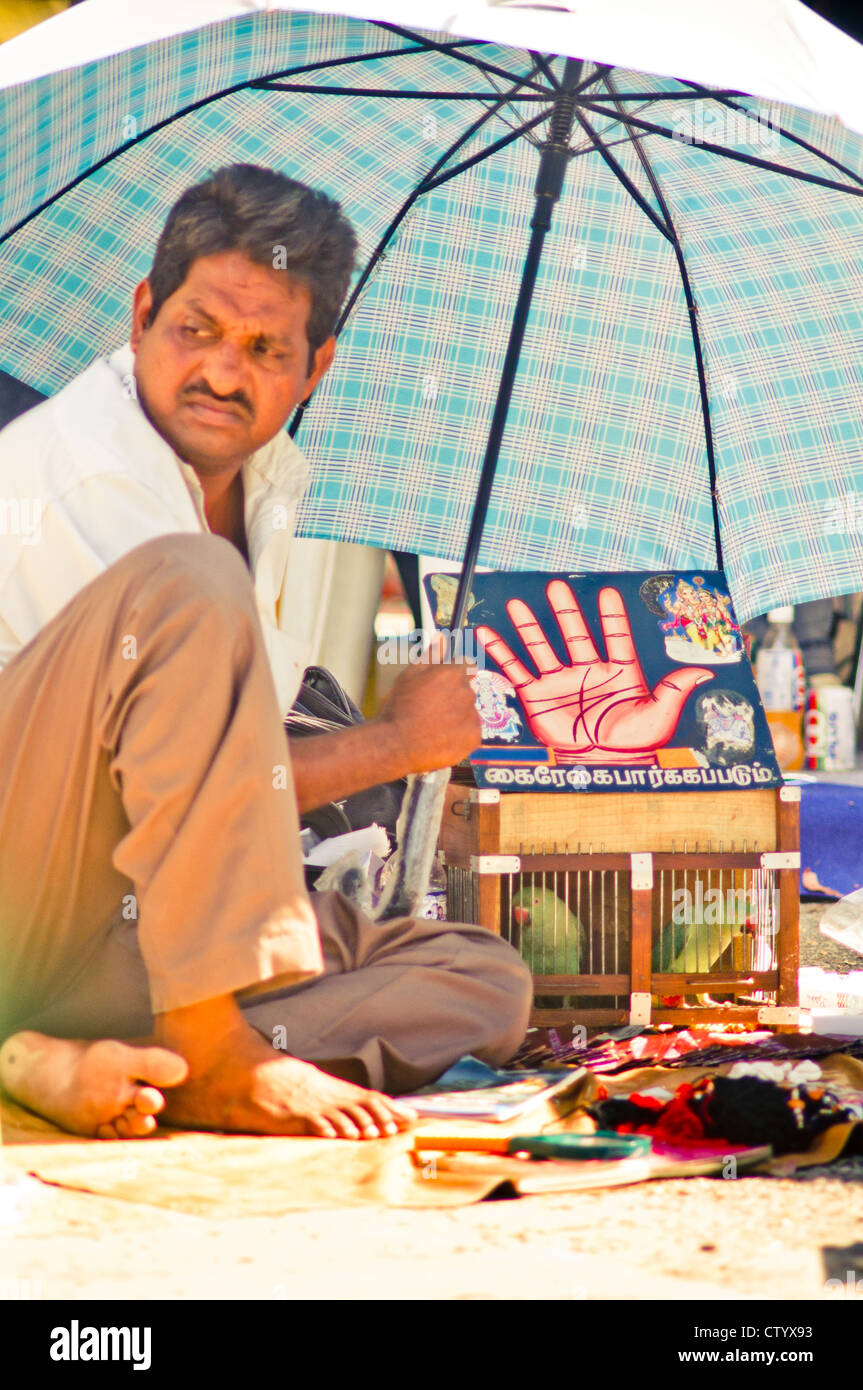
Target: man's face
{"x":224,"y":363}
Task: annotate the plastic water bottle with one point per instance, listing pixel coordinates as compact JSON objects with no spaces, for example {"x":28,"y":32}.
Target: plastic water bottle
{"x":781,"y":681}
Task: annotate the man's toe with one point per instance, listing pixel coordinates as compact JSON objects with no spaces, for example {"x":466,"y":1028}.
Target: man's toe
{"x":321,"y":1128}
{"x":160,"y":1066}
{"x":133,"y":1125}
{"x":345,"y":1123}
{"x":148,"y":1101}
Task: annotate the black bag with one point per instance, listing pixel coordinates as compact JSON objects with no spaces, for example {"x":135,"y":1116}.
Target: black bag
{"x":321,"y":707}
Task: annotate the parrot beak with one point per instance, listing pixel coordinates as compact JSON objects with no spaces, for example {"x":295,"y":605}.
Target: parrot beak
{"x":521,"y":915}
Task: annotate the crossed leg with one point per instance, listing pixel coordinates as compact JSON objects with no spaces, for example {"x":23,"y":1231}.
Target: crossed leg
{"x":157,"y":773}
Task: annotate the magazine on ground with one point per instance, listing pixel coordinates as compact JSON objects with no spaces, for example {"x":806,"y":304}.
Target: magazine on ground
{"x":471,"y":1090}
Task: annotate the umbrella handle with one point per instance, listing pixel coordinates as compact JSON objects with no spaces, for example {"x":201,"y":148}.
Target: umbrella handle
{"x":417,"y":832}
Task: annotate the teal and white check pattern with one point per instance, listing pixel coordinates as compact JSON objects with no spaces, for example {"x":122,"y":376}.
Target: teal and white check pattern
{"x":604,"y":463}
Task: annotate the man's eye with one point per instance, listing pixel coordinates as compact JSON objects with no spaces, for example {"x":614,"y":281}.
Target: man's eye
{"x":195,"y":330}
{"x":268,"y":351}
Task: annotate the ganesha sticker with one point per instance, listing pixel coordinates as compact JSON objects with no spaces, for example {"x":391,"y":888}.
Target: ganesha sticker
{"x":696,"y":619}
{"x":499,"y":719}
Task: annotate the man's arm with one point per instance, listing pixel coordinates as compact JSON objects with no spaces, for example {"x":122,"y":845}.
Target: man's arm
{"x":429,"y":721}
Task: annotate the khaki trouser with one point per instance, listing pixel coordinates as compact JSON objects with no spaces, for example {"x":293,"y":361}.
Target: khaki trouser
{"x":149,"y":845}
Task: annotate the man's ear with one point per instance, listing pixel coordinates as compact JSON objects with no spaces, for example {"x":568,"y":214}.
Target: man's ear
{"x":142,"y":303}
{"x":323,"y":361}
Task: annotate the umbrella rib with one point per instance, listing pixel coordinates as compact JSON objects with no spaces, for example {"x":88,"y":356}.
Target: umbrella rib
{"x":377,"y":53}
{"x":621,"y":174}
{"x":667,"y":96}
{"x":431,"y":46}
{"x":198,"y":105}
{"x":545,"y":68}
{"x":427,"y":185}
{"x":422,"y":187}
{"x":485,"y":154}
{"x":692,"y":309}
{"x":723,"y":98}
{"x":313,"y":88}
{"x":543,"y":64}
{"x":648,"y":128}
{"x":596,"y":76}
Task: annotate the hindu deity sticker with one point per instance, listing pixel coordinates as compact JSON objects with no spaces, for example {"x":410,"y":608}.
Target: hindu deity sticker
{"x":728,"y":722}
{"x":695,"y":618}
{"x":445,"y":588}
{"x":499,"y":719}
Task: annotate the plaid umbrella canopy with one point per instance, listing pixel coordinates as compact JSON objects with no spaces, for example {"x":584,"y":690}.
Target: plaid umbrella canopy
{"x":690,"y":375}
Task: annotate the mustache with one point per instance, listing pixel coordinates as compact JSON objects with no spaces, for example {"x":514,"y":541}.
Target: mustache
{"x":239,"y":398}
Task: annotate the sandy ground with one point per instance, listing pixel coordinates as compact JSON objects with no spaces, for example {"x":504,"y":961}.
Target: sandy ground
{"x":749,"y":1238}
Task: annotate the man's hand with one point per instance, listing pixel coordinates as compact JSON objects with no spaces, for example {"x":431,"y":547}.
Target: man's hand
{"x":428,"y":721}
{"x":431,"y":713}
{"x":591,"y":711}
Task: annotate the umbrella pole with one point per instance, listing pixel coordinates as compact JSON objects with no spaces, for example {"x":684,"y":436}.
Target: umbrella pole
{"x":423,"y":804}
{"x":549,"y":184}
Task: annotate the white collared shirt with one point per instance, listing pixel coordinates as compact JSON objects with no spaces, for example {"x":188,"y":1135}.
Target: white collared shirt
{"x":84,"y":478}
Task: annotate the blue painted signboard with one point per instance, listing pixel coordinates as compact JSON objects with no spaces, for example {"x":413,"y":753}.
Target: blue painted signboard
{"x":611,"y":682}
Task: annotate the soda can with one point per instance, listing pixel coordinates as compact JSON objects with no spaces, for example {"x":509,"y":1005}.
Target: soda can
{"x":829,"y":731}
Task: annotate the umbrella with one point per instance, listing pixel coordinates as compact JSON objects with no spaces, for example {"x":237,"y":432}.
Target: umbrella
{"x":667,"y":375}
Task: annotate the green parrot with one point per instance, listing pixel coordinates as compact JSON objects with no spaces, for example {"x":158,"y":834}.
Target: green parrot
{"x":693,"y":947}
{"x":548,"y":952}
{"x":702,"y":945}
{"x":667,"y":947}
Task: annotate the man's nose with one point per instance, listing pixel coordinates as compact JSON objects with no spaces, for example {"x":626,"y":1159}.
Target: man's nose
{"x":224,"y":368}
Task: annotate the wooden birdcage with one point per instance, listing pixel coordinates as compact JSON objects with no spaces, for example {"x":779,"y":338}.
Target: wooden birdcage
{"x":642,"y":907}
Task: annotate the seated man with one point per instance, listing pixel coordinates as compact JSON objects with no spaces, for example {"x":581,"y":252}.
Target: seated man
{"x":150,"y":876}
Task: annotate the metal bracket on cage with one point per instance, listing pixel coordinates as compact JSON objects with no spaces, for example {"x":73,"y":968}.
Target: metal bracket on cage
{"x":482,"y":796}
{"x":775,"y":1013}
{"x":639,"y":1007}
{"x":781,"y":859}
{"x":642,"y":872}
{"x":495,"y":864}
{"x":788,"y":793}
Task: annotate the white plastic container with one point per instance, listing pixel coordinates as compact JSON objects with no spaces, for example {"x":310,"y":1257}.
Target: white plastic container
{"x":828,"y":729}
{"x":828,"y":991}
{"x":839,"y":1021}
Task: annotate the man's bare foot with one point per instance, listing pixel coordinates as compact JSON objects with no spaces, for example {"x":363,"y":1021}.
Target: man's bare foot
{"x":239,"y":1083}
{"x":105,"y":1089}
